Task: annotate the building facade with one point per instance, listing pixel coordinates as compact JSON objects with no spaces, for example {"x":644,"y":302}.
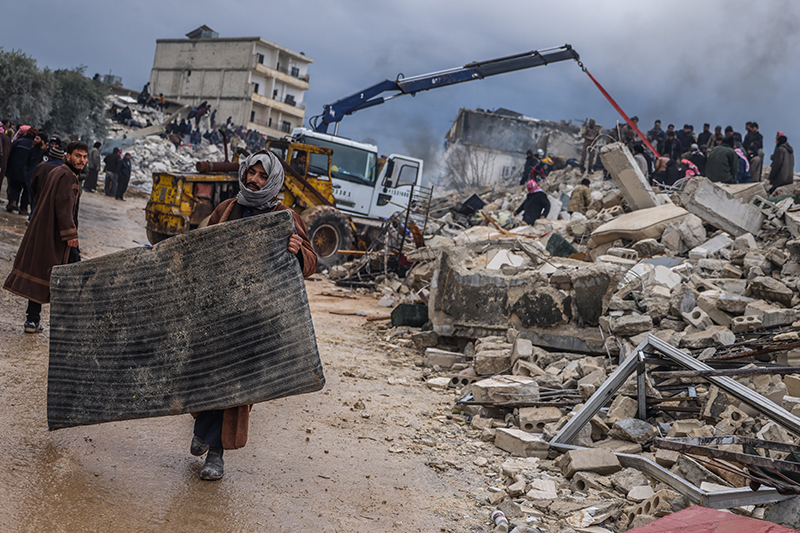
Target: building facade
{"x":255,"y":82}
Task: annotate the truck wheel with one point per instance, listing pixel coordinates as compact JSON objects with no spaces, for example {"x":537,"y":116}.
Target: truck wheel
{"x":328,"y":231}
{"x":155,"y":237}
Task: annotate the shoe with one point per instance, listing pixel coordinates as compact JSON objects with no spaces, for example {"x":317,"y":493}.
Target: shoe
{"x":198,"y":447}
{"x":33,"y":327}
{"x":11,"y":207}
{"x":214,"y":466}
{"x":24,"y":212}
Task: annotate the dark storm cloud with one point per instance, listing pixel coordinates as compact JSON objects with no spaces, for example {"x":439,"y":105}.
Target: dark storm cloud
{"x":723,"y":62}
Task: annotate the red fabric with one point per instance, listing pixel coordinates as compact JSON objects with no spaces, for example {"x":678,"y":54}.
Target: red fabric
{"x":532,"y":186}
{"x":703,"y":520}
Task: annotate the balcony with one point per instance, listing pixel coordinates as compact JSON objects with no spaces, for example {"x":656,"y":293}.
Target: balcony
{"x":300,"y":82}
{"x":297,"y":110}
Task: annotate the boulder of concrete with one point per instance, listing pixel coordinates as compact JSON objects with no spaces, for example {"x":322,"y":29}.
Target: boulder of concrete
{"x":638,"y":225}
{"x":492,"y":362}
{"x":522,"y":349}
{"x":629,"y":325}
{"x":627,"y":175}
{"x":622,"y":407}
{"x":785,"y":513}
{"x":792,"y":382}
{"x":719,"y":208}
{"x":599,"y":461}
{"x":634,"y":430}
{"x":442,"y":358}
{"x":520,"y":443}
{"x":595,"y":284}
{"x":626,"y":479}
{"x":648,"y":248}
{"x":698,"y":318}
{"x":542,"y":489}
{"x":711,"y":247}
{"x":713,"y":336}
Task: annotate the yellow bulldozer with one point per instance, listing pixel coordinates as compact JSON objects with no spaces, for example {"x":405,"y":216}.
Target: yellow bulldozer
{"x":181,"y":201}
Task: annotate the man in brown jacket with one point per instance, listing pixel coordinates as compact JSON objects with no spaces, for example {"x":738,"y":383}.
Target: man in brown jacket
{"x":260,"y":180}
{"x":52,"y":236}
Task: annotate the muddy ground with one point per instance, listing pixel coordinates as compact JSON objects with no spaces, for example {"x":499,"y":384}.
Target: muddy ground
{"x":372,"y":452}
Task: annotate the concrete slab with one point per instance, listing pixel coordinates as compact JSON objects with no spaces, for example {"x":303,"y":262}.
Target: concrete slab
{"x":718,"y":207}
{"x":627,"y":175}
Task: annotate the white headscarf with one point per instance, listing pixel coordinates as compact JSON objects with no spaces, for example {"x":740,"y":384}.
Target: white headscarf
{"x":267,"y":197}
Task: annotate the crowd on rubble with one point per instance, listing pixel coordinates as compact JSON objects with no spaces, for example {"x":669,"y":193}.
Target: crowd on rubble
{"x":722,"y":156}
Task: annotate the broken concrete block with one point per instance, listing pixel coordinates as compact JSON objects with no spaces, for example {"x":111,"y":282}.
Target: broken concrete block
{"x":696,"y":473}
{"x":522,"y":349}
{"x":792,"y":382}
{"x":648,"y":248}
{"x":542,"y":489}
{"x":642,"y":224}
{"x":594,"y":379}
{"x":624,"y":253}
{"x":618,"y":446}
{"x":626,"y":479}
{"x":746,"y":323}
{"x":599,"y":461}
{"x":425,"y":339}
{"x":716,"y":403}
{"x":698,"y":318}
{"x":631,"y":325}
{"x":756,"y":259}
{"x":627,"y":175}
{"x":745,"y":242}
{"x":711,"y":247}
{"x":500,"y":389}
{"x":731,"y":271}
{"x":770,"y":289}
{"x":692,"y":231}
{"x":666,"y":458}
{"x":596,"y":284}
{"x":726,"y":301}
{"x":640,"y":493}
{"x":713,"y":336}
{"x":488,"y":363}
{"x":785,"y":513}
{"x":773,"y":432}
{"x":660,"y":504}
{"x":622,"y":407}
{"x":519,"y":443}
{"x":525,"y":368}
{"x":634,"y":430}
{"x":709,"y":306}
{"x":682,"y":427}
{"x":438,"y":384}
{"x":718,"y":207}
{"x":442,"y":358}
{"x":584,"y":481}
{"x":533,"y":419}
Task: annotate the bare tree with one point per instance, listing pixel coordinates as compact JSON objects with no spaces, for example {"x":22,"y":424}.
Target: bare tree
{"x":468,"y":167}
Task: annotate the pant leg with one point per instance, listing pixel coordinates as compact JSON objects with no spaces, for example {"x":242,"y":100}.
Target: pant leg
{"x":34,"y":312}
{"x":14,"y":190}
{"x":122,"y":186}
{"x":208,"y":427}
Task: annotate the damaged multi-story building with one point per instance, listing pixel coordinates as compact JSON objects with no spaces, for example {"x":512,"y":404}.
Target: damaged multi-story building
{"x":258,"y":83}
{"x":486,"y":147}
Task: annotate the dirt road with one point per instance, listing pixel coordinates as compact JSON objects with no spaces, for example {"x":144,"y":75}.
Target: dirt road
{"x":372,"y":452}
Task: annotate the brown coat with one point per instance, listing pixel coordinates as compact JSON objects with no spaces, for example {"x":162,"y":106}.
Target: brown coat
{"x":44,"y":244}
{"x":580,"y":199}
{"x":235,"y":420}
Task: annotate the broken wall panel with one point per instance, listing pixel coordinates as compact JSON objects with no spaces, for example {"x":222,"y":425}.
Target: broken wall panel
{"x":627,"y":175}
{"x":718,"y":207}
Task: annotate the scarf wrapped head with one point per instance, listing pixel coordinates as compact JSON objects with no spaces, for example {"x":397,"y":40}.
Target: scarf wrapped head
{"x":532,"y":186}
{"x":267,"y":197}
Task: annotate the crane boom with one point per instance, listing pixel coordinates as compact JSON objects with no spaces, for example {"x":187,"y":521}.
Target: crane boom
{"x":369,"y":97}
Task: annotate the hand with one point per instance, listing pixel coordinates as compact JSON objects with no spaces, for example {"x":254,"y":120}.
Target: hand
{"x":73,"y":243}
{"x":294,"y":243}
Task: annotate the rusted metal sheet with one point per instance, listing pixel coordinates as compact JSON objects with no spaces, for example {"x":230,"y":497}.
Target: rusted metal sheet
{"x":211,"y":319}
{"x":703,"y":520}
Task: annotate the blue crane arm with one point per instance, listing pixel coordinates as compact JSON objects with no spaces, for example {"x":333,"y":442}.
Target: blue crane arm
{"x":370,"y":96}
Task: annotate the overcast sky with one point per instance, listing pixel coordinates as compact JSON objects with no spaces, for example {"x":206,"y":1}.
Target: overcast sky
{"x":722,"y":62}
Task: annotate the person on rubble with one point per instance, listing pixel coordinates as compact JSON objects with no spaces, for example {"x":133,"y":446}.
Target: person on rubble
{"x":536,"y":204}
{"x":672,"y":147}
{"x":743,"y":175}
{"x":653,"y":134}
{"x":697,"y":157}
{"x":17,"y":167}
{"x":261,"y":178}
{"x":712,"y":140}
{"x":55,"y":158}
{"x":782,"y":170}
{"x":51,"y":237}
{"x":755,"y":164}
{"x":686,"y":136}
{"x":93,"y":166}
{"x":723,"y":163}
{"x":666,"y":172}
{"x":581,"y":198}
{"x":753,"y":140}
{"x":530,"y":162}
{"x":642,"y":159}
{"x":590,"y":133}
{"x":705,"y":135}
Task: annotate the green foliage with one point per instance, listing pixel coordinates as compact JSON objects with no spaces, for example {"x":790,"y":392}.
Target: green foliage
{"x":64,"y":102}
{"x":78,"y":106}
{"x":27,"y":92}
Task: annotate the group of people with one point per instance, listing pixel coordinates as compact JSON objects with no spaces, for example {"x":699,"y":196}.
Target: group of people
{"x":147,"y":99}
{"x":722,"y":156}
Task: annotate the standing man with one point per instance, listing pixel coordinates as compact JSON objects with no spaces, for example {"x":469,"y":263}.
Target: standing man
{"x":123,"y":176}
{"x":51,"y":238}
{"x":530,"y":163}
{"x":260,"y":180}
{"x":17,"y":167}
{"x":90,"y":185}
{"x":705,"y":135}
{"x":5,"y":151}
{"x":722,"y":165}
{"x":590,"y":133}
{"x":112,"y":164}
{"x":782,"y":171}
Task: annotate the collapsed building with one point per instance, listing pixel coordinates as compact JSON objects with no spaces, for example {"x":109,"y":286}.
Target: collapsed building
{"x":630,"y":361}
{"x":487,"y":147}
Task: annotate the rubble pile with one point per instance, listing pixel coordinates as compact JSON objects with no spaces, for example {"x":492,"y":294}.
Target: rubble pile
{"x":527,"y":324}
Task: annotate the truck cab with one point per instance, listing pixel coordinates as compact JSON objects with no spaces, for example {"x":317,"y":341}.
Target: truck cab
{"x":363,"y":185}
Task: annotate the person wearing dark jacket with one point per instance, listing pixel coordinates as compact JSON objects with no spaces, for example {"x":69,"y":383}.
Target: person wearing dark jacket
{"x":112,"y":164}
{"x":5,"y":151}
{"x":17,"y":166}
{"x":722,"y":165}
{"x":530,"y":162}
{"x":123,"y":176}
{"x":536,"y":204}
{"x":705,"y":135}
{"x":782,"y":171}
{"x":38,"y":153}
{"x":672,"y":147}
{"x":93,"y":166}
{"x":753,"y":141}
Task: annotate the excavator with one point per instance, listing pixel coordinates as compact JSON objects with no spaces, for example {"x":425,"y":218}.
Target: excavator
{"x":342,"y":189}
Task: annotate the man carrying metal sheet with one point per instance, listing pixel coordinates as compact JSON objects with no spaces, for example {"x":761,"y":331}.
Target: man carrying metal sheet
{"x":260,"y":180}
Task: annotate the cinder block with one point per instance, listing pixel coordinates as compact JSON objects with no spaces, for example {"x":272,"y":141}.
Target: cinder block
{"x":599,"y":461}
{"x":745,"y":323}
{"x":442,"y":358}
{"x":698,"y":318}
{"x":522,"y":444}
{"x":792,"y":382}
{"x":488,"y":363}
{"x":500,"y":389}
{"x":533,"y":419}
{"x":625,"y":253}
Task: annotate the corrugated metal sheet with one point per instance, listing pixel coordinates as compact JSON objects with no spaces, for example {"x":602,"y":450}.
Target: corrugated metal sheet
{"x":211,"y":319}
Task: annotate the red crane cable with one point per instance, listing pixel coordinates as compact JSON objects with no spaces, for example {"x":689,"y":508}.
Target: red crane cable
{"x":621,"y":112}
